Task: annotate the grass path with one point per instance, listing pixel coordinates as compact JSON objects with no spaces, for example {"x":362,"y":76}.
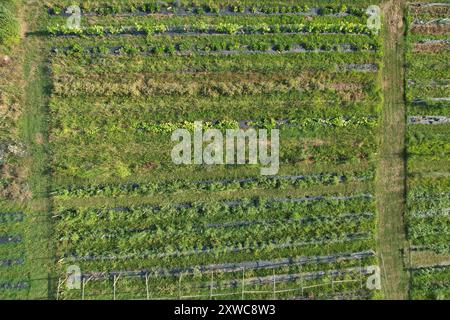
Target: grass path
{"x":33,"y":127}
{"x":391,"y":187}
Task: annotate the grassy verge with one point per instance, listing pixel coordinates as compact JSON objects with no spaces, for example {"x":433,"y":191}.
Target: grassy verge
{"x":391,"y":190}
{"x":34,"y":133}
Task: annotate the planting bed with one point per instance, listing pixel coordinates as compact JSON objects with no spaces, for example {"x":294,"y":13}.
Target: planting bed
{"x":428,"y":141}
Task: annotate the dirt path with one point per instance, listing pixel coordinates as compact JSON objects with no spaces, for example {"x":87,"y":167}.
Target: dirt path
{"x":391,"y":186}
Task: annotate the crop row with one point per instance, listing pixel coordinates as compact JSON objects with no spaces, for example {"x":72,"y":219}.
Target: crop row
{"x":425,"y":142}
{"x":226,"y":48}
{"x":307,"y":204}
{"x":238,"y":251}
{"x":427,"y":93}
{"x":329,"y":73}
{"x":83,"y":65}
{"x":214,"y":84}
{"x":186,"y":43}
{"x":209,"y":228}
{"x":206,"y":8}
{"x":339,"y":122}
{"x":137,"y":29}
{"x":222,"y":3}
{"x":225,"y":25}
{"x":201,"y":22}
{"x":432,"y":8}
{"x":427,"y":197}
{"x":430,"y":66}
{"x":212,"y":185}
{"x":433,"y":232}
{"x":431,"y":283}
{"x":179,"y":109}
{"x":432,"y":29}
{"x":432,"y":92}
{"x":429,"y":108}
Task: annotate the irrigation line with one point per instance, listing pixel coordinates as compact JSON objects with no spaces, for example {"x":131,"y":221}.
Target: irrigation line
{"x":428,"y":4}
{"x":432,"y":41}
{"x":8,"y":239}
{"x":436,"y":213}
{"x":317,"y":198}
{"x":427,"y":196}
{"x":11,"y":217}
{"x":115,"y":51}
{"x":428,"y":120}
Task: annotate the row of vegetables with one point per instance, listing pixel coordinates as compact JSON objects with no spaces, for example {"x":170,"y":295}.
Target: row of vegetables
{"x":428,"y":145}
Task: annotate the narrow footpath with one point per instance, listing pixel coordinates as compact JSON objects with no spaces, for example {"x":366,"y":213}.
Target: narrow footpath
{"x":391,"y":186}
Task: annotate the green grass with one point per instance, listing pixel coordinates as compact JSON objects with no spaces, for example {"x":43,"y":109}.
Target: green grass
{"x":391,"y":173}
{"x":33,"y":130}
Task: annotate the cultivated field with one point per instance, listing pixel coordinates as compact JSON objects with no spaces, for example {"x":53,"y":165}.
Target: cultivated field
{"x":124,"y":82}
{"x":87,"y":180}
{"x":428,"y":97}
